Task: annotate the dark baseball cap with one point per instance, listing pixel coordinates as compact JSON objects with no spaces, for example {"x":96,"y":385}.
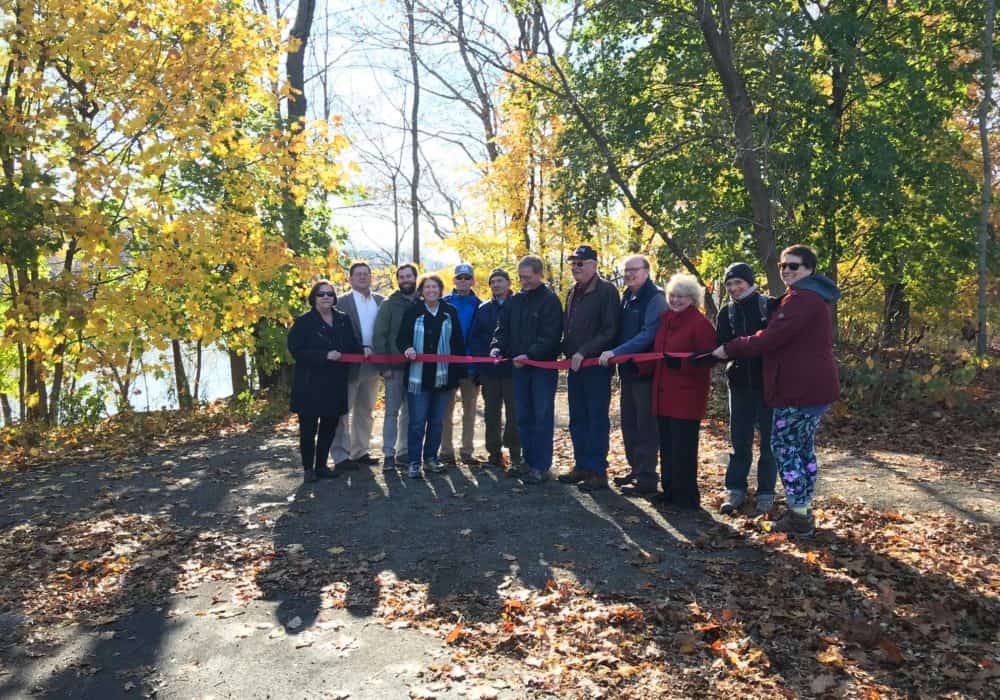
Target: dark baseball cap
{"x":584,"y":252}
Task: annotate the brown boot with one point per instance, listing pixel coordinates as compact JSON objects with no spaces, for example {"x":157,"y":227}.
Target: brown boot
{"x":594,"y":482}
{"x":573,"y":477}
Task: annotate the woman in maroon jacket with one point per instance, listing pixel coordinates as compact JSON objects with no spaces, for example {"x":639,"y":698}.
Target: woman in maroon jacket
{"x":680,"y":390}
{"x":800,"y":378}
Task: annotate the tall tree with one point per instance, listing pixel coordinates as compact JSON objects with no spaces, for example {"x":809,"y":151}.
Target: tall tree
{"x":985,"y":107}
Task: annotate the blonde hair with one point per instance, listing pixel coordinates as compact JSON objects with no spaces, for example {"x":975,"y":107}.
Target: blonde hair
{"x":686,"y":286}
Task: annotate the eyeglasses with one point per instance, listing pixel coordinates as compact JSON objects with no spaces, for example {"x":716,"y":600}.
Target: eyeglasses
{"x":463,"y":277}
{"x":578,"y":263}
{"x":325,"y":294}
{"x":789,"y":266}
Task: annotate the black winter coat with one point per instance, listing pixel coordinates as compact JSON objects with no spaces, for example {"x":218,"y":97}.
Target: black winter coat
{"x":531,"y":324}
{"x":432,"y":333}
{"x":746,"y":320}
{"x":319,"y":387}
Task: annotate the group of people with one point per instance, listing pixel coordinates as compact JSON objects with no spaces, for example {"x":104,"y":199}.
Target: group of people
{"x":781,"y":374}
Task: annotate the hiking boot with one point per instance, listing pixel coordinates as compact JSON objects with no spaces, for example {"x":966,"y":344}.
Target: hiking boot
{"x":389,"y":464}
{"x":497,"y":461}
{"x":734,"y":499}
{"x":573,"y":477}
{"x":764,"y":505}
{"x":326,"y":473}
{"x":536,"y":476}
{"x":435,"y":466}
{"x":594,"y":482}
{"x":624,"y":480}
{"x":414,"y":471}
{"x":516,"y":471}
{"x":795,"y":525}
{"x":309,"y":475}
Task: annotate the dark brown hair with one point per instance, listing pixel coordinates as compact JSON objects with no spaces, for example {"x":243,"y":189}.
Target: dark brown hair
{"x":407,"y":265}
{"x":805,"y":252}
{"x":315,"y":288}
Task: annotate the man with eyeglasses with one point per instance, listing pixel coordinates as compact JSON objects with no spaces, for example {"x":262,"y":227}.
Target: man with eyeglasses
{"x":591,"y":327}
{"x":642,"y":305}
{"x":465,"y":302}
{"x":350,"y":447}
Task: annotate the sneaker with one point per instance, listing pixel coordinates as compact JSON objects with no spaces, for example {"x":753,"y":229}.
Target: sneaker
{"x":765,"y":503}
{"x":594,"y":482}
{"x":434,"y":465}
{"x":575,"y":476}
{"x":734,"y":499}
{"x":326,"y":473}
{"x":536,"y":476}
{"x":389,"y":464}
{"x":414,"y":471}
{"x":309,"y":475}
{"x":795,"y":525}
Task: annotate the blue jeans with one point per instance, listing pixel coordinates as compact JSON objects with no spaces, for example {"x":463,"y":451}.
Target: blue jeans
{"x":748,"y":413}
{"x":423,"y":431}
{"x":534,"y":401}
{"x":589,"y":424}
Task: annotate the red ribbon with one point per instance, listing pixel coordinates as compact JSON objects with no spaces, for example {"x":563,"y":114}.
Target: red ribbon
{"x":480,"y":360}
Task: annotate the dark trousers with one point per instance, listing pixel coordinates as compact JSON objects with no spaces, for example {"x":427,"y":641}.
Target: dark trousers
{"x":679,"y":460}
{"x":316,"y":434}
{"x":748,"y":413}
{"x":589,"y":424}
{"x":498,"y":396}
{"x":640,"y":431}
{"x":535,"y":402}
{"x":423,"y":432}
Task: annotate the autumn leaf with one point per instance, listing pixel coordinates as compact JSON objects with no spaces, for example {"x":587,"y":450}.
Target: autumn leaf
{"x":456,"y":632}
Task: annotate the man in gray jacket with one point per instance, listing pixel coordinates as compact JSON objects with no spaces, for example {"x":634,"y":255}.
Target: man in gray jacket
{"x":387,"y":322}
{"x":642,"y":305}
{"x":591,"y":327}
{"x":350,"y":447}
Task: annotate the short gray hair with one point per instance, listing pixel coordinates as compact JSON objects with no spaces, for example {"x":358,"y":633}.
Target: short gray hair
{"x":686,"y":286}
{"x":532,"y":261}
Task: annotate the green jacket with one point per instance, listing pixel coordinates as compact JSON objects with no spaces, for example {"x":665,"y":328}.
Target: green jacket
{"x":387,"y":322}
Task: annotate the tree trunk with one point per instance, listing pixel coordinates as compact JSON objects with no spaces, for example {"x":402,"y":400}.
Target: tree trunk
{"x":720,"y":47}
{"x":982,"y":342}
{"x":180,"y":377}
{"x":8,"y":416}
{"x":238,"y":371}
{"x":411,"y":46}
{"x":197,"y":371}
{"x":293,"y":215}
{"x":896,"y":315}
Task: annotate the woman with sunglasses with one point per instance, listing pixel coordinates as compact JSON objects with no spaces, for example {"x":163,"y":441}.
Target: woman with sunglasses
{"x":800,"y":378}
{"x":316,"y":341}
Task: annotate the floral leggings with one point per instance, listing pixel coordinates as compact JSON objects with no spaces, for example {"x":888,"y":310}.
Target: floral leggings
{"x":793,"y":443}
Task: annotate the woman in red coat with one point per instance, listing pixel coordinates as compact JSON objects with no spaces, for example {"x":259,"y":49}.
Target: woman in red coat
{"x":800,"y":378}
{"x":680,"y":390}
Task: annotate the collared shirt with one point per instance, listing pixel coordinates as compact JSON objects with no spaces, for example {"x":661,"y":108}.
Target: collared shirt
{"x":367,"y":309}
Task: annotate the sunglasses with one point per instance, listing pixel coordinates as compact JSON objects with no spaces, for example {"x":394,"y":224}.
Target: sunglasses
{"x":789,"y":266}
{"x":463,"y":277}
{"x":325,"y":294}
{"x":578,"y":263}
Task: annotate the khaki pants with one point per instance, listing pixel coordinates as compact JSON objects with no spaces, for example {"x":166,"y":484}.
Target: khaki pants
{"x":469,"y":391}
{"x":355,"y":430}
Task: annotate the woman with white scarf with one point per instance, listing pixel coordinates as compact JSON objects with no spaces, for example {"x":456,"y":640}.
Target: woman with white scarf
{"x":430,"y":327}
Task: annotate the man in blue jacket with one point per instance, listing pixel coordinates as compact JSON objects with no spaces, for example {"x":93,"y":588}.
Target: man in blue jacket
{"x":642,"y":305}
{"x":466,"y":302}
{"x":495,"y":380}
